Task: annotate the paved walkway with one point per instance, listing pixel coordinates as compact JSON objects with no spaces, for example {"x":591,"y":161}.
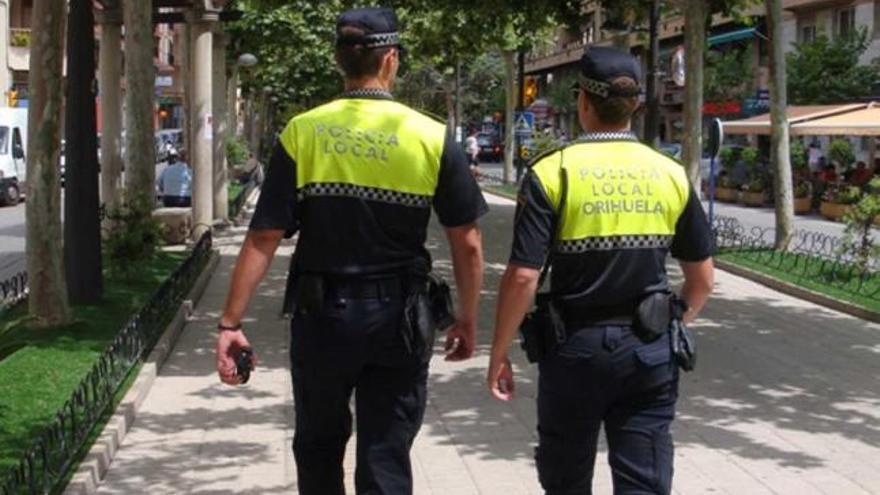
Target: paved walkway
{"x":786,"y":400}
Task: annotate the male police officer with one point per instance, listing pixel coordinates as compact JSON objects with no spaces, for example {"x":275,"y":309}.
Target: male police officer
{"x":357,"y":178}
{"x":606,"y":210}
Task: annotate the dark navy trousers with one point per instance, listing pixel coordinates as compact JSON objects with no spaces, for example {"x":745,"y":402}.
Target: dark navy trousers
{"x":605,"y":375}
{"x":355,"y":346}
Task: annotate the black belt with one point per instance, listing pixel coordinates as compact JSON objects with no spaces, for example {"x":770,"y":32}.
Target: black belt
{"x":392,"y":288}
{"x":580,"y":316}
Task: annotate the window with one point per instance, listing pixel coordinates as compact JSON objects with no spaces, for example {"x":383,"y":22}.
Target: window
{"x":4,"y":140}
{"x":846,"y":22}
{"x":808,"y":34}
{"x":17,"y":143}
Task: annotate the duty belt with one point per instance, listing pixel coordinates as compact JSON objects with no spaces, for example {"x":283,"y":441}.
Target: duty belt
{"x":392,"y":288}
{"x":580,"y":316}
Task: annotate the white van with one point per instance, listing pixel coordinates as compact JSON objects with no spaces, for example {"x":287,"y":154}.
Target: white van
{"x":13,"y":143}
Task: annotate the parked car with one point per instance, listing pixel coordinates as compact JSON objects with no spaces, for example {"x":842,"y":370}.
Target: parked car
{"x":490,"y":147}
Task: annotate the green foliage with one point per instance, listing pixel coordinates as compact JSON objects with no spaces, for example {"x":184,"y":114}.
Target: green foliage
{"x":797,"y":155}
{"x":750,"y":159}
{"x":727,"y":74}
{"x":803,"y":189}
{"x":560,"y":95}
{"x":20,"y":38}
{"x":293,"y":43}
{"x":842,"y":194}
{"x":236,"y":151}
{"x":133,"y":239}
{"x":840,"y":151}
{"x":828,"y":71}
{"x":858,"y":238}
{"x":728,"y":157}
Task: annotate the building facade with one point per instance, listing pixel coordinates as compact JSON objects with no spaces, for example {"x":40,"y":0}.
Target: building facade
{"x":554,"y":65}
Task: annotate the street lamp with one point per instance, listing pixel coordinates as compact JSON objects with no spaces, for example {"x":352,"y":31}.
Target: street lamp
{"x":247,"y":60}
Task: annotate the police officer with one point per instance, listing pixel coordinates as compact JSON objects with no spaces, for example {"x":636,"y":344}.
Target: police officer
{"x":606,"y":210}
{"x":357,"y":178}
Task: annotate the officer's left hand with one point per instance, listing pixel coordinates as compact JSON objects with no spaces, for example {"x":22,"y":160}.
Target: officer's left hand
{"x":500,"y":377}
{"x":460,"y":340}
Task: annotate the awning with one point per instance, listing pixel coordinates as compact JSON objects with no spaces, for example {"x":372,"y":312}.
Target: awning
{"x":864,"y":122}
{"x":760,"y":124}
{"x":737,"y":35}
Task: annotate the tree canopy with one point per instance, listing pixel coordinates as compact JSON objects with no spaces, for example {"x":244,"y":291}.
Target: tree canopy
{"x":828,"y":71}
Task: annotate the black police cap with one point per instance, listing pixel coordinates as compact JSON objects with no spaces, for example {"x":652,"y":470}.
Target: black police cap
{"x":601,"y":65}
{"x":378,"y":24}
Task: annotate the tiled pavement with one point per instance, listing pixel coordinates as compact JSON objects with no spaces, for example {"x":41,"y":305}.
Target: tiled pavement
{"x":786,"y":400}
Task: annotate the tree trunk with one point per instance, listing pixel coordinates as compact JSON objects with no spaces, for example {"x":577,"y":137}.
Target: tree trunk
{"x":140,"y":170}
{"x":458,"y":104}
{"x":82,"y":225}
{"x":221,"y":129}
{"x":47,"y":298}
{"x":111,"y":106}
{"x":652,"y":100}
{"x":694,"y":39}
{"x":779,"y":145}
{"x":509,"y":106}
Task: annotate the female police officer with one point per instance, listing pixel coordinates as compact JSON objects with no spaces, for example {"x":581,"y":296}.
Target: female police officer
{"x":607,"y":210}
{"x":357,"y":178}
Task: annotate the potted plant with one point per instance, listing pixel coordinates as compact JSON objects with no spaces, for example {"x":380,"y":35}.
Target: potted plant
{"x":838,"y":198}
{"x":753,"y":190}
{"x":840,"y":152}
{"x":803,"y":197}
{"x":726,"y":189}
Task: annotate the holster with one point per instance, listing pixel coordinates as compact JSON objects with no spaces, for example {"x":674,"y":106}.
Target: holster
{"x":440,"y":301}
{"x":663,"y":312}
{"x":684,"y":348}
{"x":427,"y":311}
{"x":542,"y":329}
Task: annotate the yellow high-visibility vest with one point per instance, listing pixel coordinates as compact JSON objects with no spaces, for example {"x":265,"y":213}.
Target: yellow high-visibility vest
{"x":621,"y":194}
{"x":375,"y":149}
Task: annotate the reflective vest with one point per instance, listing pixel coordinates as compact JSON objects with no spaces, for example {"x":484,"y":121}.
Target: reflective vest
{"x":369,"y":148}
{"x":621,"y":194}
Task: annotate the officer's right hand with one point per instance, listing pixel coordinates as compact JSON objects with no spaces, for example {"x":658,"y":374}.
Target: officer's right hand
{"x":500,"y":377}
{"x":460,"y":340}
{"x":229,"y":343}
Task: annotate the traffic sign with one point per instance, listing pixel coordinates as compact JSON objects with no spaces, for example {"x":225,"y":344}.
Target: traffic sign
{"x":524,"y":123}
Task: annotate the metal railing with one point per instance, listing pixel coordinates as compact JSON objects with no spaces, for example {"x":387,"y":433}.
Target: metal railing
{"x":13,"y":291}
{"x":812,"y":256}
{"x":237,"y":203}
{"x":43,"y":466}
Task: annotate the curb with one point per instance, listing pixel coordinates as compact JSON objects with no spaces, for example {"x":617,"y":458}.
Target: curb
{"x":799,"y":292}
{"x":94,"y":466}
{"x":498,"y":193}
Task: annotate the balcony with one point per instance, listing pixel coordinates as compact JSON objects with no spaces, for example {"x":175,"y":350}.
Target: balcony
{"x":19,"y":49}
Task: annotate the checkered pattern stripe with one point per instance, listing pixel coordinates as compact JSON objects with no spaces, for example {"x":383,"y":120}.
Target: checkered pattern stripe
{"x":607,"y":136}
{"x":381,"y":39}
{"x":367,"y":93}
{"x":331,"y":189}
{"x":613,"y":243}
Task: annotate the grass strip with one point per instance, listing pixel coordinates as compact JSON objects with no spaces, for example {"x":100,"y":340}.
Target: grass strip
{"x":809,"y":272}
{"x":505,"y":190}
{"x":40,"y":368}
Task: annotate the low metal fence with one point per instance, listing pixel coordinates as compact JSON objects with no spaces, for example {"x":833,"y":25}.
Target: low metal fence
{"x":812,"y":256}
{"x":237,"y":203}
{"x":43,"y":466}
{"x":13,"y":290}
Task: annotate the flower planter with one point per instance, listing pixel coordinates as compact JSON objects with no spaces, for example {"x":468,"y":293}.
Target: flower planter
{"x":833,"y":211}
{"x":802,"y":206}
{"x":726,"y":194}
{"x":753,"y":198}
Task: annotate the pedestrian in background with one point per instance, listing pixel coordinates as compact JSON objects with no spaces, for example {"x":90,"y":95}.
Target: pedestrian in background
{"x":604,"y":213}
{"x":175,"y":181}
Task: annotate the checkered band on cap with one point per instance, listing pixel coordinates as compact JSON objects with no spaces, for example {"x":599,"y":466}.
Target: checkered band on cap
{"x":598,"y":88}
{"x":613,"y":243}
{"x":334,"y":189}
{"x":379,"y":40}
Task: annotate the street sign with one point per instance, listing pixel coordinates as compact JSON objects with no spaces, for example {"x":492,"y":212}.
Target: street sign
{"x":524,"y":123}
